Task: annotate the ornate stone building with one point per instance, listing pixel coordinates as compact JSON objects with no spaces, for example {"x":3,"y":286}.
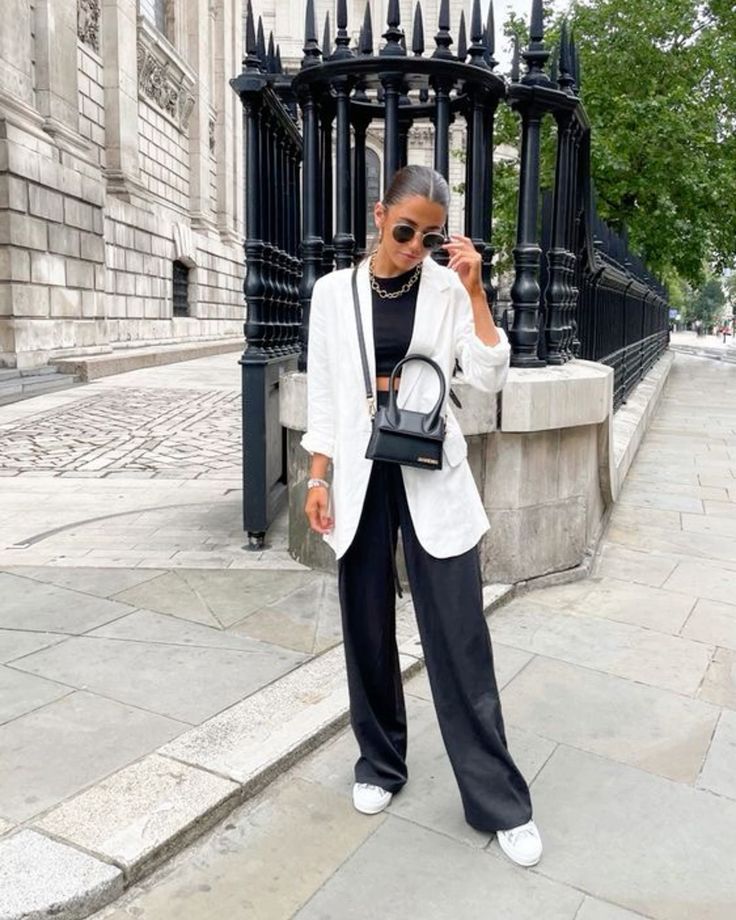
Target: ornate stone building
{"x":120,"y":175}
{"x":121,"y":201}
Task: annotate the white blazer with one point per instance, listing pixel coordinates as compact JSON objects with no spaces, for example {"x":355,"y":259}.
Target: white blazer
{"x":445,"y":507}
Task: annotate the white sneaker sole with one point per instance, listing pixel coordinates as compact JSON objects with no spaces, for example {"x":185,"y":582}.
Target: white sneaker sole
{"x":376,"y":809}
{"x":526,"y":863}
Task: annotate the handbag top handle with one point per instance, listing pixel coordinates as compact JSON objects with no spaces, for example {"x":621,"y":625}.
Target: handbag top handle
{"x":393,"y":412}
{"x":431,"y":418}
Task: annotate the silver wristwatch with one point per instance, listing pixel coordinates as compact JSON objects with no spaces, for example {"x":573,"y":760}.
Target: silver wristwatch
{"x":312,"y":483}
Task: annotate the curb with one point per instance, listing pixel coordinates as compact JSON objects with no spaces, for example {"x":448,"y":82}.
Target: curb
{"x":86,"y":851}
{"x":120,"y":361}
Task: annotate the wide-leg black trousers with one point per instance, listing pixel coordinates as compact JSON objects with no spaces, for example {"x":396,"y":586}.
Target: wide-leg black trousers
{"x":448,"y":602}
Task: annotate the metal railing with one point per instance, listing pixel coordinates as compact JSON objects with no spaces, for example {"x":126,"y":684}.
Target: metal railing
{"x":577,"y":290}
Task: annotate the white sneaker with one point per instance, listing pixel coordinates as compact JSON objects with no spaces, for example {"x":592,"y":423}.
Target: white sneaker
{"x":370,"y":799}
{"x":522,"y":844}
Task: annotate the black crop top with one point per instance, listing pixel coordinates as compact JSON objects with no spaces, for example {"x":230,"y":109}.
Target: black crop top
{"x":393,"y":321}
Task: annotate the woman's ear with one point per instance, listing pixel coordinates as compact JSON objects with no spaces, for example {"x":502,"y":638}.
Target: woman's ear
{"x":379,"y":215}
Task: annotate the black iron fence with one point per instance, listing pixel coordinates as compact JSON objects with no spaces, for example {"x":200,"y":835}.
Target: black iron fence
{"x":577,"y":291}
{"x":623,"y":314}
{"x":274,"y":275}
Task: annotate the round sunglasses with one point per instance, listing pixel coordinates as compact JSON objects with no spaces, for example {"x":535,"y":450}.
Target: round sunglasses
{"x":431,"y":240}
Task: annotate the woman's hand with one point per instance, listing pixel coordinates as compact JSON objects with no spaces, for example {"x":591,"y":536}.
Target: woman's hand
{"x":317,"y":508}
{"x":466,"y":261}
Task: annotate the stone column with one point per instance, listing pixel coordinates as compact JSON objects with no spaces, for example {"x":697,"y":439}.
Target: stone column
{"x":119,"y":48}
{"x":198,"y":30}
{"x":228,"y":52}
{"x":16,"y":75}
{"x":57,"y":86}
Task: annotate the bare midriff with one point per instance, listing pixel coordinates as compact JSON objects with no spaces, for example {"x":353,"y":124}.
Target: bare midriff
{"x":383,"y":382}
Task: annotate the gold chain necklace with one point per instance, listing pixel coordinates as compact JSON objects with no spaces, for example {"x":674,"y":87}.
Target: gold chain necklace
{"x":392,"y":295}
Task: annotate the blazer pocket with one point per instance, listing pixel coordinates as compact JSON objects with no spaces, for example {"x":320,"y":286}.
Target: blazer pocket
{"x":455,"y":448}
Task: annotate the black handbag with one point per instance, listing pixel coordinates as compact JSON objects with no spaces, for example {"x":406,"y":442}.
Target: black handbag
{"x":402,"y":435}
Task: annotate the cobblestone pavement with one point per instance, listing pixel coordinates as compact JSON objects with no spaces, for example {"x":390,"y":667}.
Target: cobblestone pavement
{"x":138,"y":430}
{"x":140,"y":470}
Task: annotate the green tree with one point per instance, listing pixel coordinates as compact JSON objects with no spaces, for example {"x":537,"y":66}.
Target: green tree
{"x":707,"y":304}
{"x":680,"y":291}
{"x":659,"y":86}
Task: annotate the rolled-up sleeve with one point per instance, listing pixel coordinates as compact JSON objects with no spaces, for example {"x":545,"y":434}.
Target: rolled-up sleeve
{"x":483,"y":366}
{"x":319,"y":437}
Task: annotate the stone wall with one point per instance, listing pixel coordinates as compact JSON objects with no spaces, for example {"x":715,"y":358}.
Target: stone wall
{"x":164,"y":156}
{"x":539,"y":454}
{"x":52,"y":269}
{"x":140,"y":249}
{"x":117,"y":157}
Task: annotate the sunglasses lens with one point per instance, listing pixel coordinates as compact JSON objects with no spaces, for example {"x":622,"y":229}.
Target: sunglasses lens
{"x":403,"y":233}
{"x":433,"y":240}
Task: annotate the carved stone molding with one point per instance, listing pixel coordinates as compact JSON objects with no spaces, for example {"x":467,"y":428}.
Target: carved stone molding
{"x":163,"y":76}
{"x":422,"y":135}
{"x":184,"y":249}
{"x":88,"y":23}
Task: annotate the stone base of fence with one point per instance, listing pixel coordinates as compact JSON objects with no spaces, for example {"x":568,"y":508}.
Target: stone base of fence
{"x":542,"y":455}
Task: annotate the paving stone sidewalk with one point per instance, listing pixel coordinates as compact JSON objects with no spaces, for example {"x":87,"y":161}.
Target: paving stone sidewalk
{"x":133,"y":621}
{"x":619,"y":694}
{"x":130,"y":610}
{"x":706,"y":346}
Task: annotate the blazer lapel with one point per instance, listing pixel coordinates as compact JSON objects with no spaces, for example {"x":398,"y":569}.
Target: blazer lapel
{"x":432,"y":284}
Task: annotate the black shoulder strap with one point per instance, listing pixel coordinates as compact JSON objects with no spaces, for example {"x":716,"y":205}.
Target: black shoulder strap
{"x":361,"y":342}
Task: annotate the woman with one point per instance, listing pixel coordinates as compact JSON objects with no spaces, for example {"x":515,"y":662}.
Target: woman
{"x":410,"y":304}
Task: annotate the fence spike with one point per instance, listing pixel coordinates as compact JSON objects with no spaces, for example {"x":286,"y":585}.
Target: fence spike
{"x":536,"y":55}
{"x":462,"y":41}
{"x":564,"y":49}
{"x":536,"y":28}
{"x":367,"y":43}
{"x":477,"y":49}
{"x":515,"y":61}
{"x":311,"y":49}
{"x":417,"y":32}
{"x":271,"y":54}
{"x":476,"y":28}
{"x":250,"y":61}
{"x":393,"y":48}
{"x":443,"y":39}
{"x":326,"y":44}
{"x":342,"y":39}
{"x":260,"y":41}
{"x":491,"y":34}
{"x":575,"y":62}
{"x":565,"y":78}
{"x":310,"y":25}
{"x":444,"y":18}
{"x":553,"y":64}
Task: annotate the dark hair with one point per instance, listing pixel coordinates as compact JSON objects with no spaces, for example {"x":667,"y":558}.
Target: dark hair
{"x":414,"y":180}
{"x":417,"y":180}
